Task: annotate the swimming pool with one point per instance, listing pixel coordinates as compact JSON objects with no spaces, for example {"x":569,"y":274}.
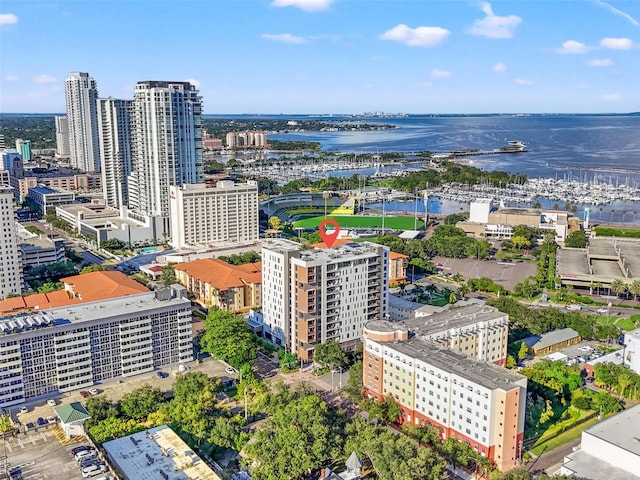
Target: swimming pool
{"x":142,"y":251}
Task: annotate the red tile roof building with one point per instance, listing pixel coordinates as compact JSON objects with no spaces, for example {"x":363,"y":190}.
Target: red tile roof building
{"x":216,"y":283}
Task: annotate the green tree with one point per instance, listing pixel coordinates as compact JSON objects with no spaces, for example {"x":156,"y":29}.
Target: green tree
{"x":226,"y":336}
{"x":96,"y":267}
{"x":520,"y":242}
{"x":112,"y":244}
{"x":330,"y":353}
{"x":100,"y":408}
{"x":523,"y":351}
{"x":618,"y":287}
{"x":297,"y":439}
{"x":142,"y":401}
{"x":275,"y":222}
{"x":114,"y":427}
{"x":577,"y":239}
{"x":228,"y":432}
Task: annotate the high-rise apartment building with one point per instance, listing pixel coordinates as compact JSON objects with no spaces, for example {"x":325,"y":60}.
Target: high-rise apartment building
{"x":114,"y":130}
{"x":82,"y":94}
{"x":10,"y":267}
{"x":62,"y":136}
{"x":332,"y":294}
{"x":71,"y":347}
{"x":202,"y":214}
{"x":246,"y":139}
{"x":472,"y":401}
{"x":166,"y":144}
{"x":24,"y":149}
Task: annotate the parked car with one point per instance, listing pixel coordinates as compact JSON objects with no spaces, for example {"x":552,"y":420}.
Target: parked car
{"x":41,"y":422}
{"x":84,"y":454}
{"x":602,"y":310}
{"x":94,"y":391}
{"x":84,"y":393}
{"x":51,"y":419}
{"x":29,"y":426}
{"x":93,"y":471}
{"x":162,"y":374}
{"x":80,"y":448}
{"x":24,"y":410}
{"x":87,"y":462}
{"x":51,"y":402}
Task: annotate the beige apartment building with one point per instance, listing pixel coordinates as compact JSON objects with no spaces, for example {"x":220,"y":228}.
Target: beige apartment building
{"x":469,"y":400}
{"x":246,"y":139}
{"x":202,"y":214}
{"x":313,"y":296}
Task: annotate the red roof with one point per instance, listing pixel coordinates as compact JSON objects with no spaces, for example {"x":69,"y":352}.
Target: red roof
{"x":222,"y":275}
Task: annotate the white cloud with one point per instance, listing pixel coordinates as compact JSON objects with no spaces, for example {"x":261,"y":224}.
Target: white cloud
{"x":194,"y":82}
{"x":611,"y":97}
{"x":616,"y":43}
{"x":44,"y":79}
{"x":416,"y":37}
{"x":10,"y":78}
{"x":284,"y":38}
{"x":572,"y":47}
{"x":306,"y":5}
{"x":500,"y":67}
{"x":522,"y":82}
{"x":436,"y":73}
{"x":422,"y":84}
{"x":495,"y":26}
{"x":614,"y":10}
{"x":599,"y":62}
{"x":8,"y":19}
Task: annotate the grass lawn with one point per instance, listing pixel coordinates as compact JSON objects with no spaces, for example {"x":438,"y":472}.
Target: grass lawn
{"x":622,"y":322}
{"x":352,"y":221}
{"x":550,"y":439}
{"x":618,"y":232}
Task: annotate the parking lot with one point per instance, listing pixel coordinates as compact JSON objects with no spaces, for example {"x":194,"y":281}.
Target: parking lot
{"x":40,"y":456}
{"x":503,"y":273}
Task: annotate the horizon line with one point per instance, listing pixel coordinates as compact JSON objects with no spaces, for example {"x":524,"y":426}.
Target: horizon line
{"x":371,"y":114}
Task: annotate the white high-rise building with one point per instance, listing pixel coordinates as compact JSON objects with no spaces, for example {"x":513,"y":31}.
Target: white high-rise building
{"x":114,"y":129}
{"x":82,"y":94}
{"x":166,"y":144}
{"x":10,"y":267}
{"x":62,"y":136}
{"x":202,"y":214}
{"x":313,"y":296}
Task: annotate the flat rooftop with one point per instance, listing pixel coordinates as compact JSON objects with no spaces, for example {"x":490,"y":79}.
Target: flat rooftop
{"x":157,"y":453}
{"x":621,"y":430}
{"x":345,"y":252}
{"x":89,"y":209}
{"x":481,"y":373}
{"x":572,"y":262}
{"x":85,"y":312}
{"x":584,"y":465}
{"x":454,"y":318}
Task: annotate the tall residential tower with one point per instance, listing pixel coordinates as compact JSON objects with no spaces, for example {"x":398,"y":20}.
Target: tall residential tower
{"x":114,"y":129}
{"x":166,"y":144}
{"x":10,"y":267}
{"x":81,"y":94}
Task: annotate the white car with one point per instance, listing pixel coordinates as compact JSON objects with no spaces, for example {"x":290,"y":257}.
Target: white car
{"x":574,"y":307}
{"x":94,"y":391}
{"x":231,"y":370}
{"x":93,"y":470}
{"x":24,"y":410}
{"x":602,"y":310}
{"x":51,"y":402}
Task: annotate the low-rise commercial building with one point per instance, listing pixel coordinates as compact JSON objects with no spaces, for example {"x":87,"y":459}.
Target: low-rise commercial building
{"x":472,"y":401}
{"x":38,"y":249}
{"x":216,"y":283}
{"x":487,"y":221}
{"x":67,"y":348}
{"x":156,"y":453}
{"x":45,"y":198}
{"x":608,"y":450}
{"x":552,"y":341}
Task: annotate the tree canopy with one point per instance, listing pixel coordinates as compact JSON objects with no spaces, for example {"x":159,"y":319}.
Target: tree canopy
{"x":226,"y":336}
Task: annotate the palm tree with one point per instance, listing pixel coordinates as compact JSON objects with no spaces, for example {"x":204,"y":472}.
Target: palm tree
{"x":618,"y":287}
{"x":598,"y":286}
{"x":613,"y":210}
{"x":634,"y":289}
{"x":463,"y":290}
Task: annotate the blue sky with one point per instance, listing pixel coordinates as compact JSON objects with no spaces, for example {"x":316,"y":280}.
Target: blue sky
{"x":331,"y":56}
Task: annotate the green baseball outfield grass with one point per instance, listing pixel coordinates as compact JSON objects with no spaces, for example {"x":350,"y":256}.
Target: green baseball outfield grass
{"x":352,"y":221}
